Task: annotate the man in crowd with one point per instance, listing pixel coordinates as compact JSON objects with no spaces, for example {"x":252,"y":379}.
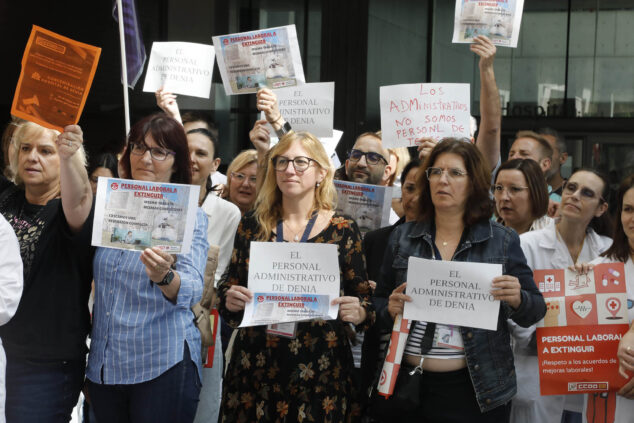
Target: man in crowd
{"x":531,"y":145}
{"x":367,"y":163}
{"x":560,"y":155}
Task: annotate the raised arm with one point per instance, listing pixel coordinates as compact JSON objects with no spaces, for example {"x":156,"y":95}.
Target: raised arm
{"x":167,"y":102}
{"x":74,"y":184}
{"x":488,"y":141}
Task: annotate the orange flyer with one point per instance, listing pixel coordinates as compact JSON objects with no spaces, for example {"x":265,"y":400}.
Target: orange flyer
{"x":578,"y":338}
{"x":56,"y":76}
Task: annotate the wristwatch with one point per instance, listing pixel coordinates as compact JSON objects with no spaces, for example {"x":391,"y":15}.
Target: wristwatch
{"x":167,"y":279}
{"x":285,"y":129}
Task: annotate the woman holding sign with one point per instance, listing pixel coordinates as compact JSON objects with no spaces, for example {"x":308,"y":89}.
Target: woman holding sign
{"x":575,"y":238}
{"x":468,"y":373}
{"x":619,"y":405}
{"x":49,"y":208}
{"x":144,"y":362}
{"x":305,"y":376}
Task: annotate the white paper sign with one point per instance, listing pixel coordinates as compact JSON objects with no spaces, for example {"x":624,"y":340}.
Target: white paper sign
{"x":292,"y":282}
{"x":263,"y":58}
{"x":181,"y":68}
{"x":452,"y":293}
{"x":497,"y":19}
{"x":413,"y":111}
{"x":308,"y":107}
{"x":135,"y":215}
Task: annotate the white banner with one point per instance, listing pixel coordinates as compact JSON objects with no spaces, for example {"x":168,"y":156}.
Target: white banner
{"x":135,"y":215}
{"x":180,"y":68}
{"x":413,"y":111}
{"x":308,"y":107}
{"x":452,"y":293}
{"x":292,"y":282}
{"x":263,"y":58}
{"x":497,"y":19}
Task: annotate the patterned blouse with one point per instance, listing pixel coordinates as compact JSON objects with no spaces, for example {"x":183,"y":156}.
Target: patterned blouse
{"x":307,"y":378}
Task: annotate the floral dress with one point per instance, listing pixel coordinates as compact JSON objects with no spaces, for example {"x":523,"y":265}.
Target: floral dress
{"x":305,"y":379}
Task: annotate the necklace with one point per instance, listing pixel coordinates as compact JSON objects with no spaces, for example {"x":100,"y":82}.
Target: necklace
{"x":296,"y":233}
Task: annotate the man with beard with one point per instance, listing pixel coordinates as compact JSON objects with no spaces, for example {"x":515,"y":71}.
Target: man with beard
{"x":367,"y":162}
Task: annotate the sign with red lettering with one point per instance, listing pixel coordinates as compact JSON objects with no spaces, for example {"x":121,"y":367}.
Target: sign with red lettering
{"x":410,"y":112}
{"x":578,"y":338}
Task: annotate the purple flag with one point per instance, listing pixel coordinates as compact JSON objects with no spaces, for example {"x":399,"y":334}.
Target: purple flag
{"x":134,"y":49}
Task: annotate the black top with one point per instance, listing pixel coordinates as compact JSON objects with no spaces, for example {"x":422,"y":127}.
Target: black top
{"x":52,"y":319}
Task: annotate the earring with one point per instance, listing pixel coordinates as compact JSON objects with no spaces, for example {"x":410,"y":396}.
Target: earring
{"x":317,"y":184}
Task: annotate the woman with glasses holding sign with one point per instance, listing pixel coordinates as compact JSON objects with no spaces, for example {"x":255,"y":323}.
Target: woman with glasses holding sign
{"x":305,"y":376}
{"x":467,"y":373}
{"x":521,"y":195}
{"x":144,"y":362}
{"x":577,"y":237}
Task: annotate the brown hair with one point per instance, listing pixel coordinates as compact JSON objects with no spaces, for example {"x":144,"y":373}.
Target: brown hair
{"x":544,"y":145}
{"x":480,"y":206}
{"x":620,"y":248}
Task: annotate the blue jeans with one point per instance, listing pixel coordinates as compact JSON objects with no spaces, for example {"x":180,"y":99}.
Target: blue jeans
{"x":42,"y":391}
{"x":171,"y":397}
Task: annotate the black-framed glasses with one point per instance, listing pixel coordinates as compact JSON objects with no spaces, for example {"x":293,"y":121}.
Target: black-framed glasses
{"x":157,"y":153}
{"x":300,"y":163}
{"x":370,"y":156}
{"x":512,"y":190}
{"x":572,"y":187}
{"x":452,"y":173}
{"x":241,"y":177}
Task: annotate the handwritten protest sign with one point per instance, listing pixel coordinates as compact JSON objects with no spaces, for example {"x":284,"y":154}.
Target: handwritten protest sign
{"x":578,"y":338}
{"x":368,"y":205}
{"x":413,"y":111}
{"x":497,"y":19}
{"x":452,"y":293}
{"x":56,"y":76}
{"x":263,"y":58}
{"x":308,"y":107}
{"x":135,"y":215}
{"x":291,"y":282}
{"x":180,"y":68}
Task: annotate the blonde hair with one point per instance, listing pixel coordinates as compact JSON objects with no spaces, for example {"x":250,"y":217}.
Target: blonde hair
{"x":268,"y":204}
{"x":402,"y":159}
{"x":243,"y":159}
{"x":29,"y":131}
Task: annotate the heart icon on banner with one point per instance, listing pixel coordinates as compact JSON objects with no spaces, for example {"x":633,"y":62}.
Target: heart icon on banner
{"x":582,"y":308}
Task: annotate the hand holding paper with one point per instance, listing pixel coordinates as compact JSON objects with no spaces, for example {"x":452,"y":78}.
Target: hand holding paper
{"x":350,"y":309}
{"x":157,"y":262}
{"x":237,"y":297}
{"x":167,"y":102}
{"x":484,"y":48}
{"x":507,"y":288}
{"x":69,"y":141}
{"x":260,"y":137}
{"x":267,"y":103}
{"x":396,"y":301}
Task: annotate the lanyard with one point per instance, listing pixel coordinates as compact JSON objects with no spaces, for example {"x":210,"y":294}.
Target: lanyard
{"x":309,"y":227}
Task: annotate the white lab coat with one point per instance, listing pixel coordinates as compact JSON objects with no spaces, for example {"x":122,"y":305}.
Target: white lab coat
{"x":545,"y":250}
{"x":11,"y":283}
{"x":624,"y":408}
{"x":224,"y":218}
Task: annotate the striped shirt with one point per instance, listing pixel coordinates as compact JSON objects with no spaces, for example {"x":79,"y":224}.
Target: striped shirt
{"x":137,"y":333}
{"x":413,"y":345}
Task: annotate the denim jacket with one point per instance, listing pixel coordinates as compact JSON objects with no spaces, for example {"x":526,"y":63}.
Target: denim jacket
{"x":488,"y":353}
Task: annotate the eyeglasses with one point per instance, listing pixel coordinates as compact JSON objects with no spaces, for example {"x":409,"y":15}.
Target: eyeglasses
{"x":434,"y":173}
{"x":370,"y":157}
{"x":157,"y":153}
{"x":512,"y":191}
{"x":300,"y":163}
{"x":572,"y":187}
{"x":241,"y":177}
